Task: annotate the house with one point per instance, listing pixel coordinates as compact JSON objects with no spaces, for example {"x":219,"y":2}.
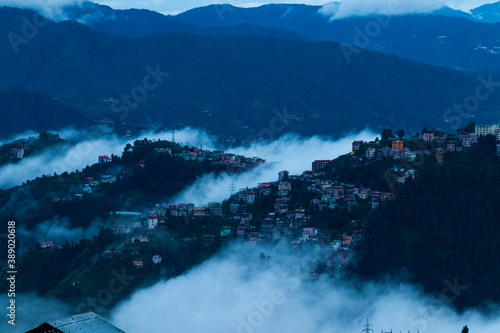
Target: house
{"x":483,"y":130}
{"x":283,"y":175}
{"x":267,"y":224}
{"x":250,"y":198}
{"x":441,"y":144}
{"x":338,"y":192}
{"x":225,"y":231}
{"x":364,"y":194}
{"x":428,"y":137}
{"x":152,"y":220}
{"x":310,"y":234}
{"x":240,"y":231}
{"x":284,"y":186}
{"x":156,"y":259}
{"x":208,"y":240}
{"x":17,"y":153}
{"x":451,"y":146}
{"x":199,"y":211}
{"x":467,"y":141}
{"x":440,"y":156}
{"x":215,"y":209}
{"x":397,"y":144}
{"x":47,"y":245}
{"x":265,"y":189}
{"x":346,"y":241}
{"x":356,"y":145}
{"x":234,"y":206}
{"x":104,"y":159}
{"x":380,"y":154}
{"x":300,"y":213}
{"x":86,"y":322}
{"x":319,"y":164}
{"x":138,"y":262}
{"x":370,"y":153}
{"x":246,"y":218}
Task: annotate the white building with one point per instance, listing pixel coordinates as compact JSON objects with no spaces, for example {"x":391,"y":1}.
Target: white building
{"x":156,"y":259}
{"x":152,"y":221}
{"x":483,"y":130}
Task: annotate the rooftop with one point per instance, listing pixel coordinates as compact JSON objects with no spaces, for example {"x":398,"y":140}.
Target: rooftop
{"x":83,"y":323}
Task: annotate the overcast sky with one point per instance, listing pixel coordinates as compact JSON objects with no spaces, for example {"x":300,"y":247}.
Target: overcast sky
{"x":350,"y":7}
{"x":173,"y":6}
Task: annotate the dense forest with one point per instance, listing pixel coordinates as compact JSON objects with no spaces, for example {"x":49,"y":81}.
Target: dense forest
{"x":443,"y":226}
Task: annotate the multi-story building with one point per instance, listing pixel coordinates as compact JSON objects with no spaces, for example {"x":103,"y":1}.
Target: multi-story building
{"x":451,"y":146}
{"x":152,"y":221}
{"x":283,"y":175}
{"x":483,"y":130}
{"x":356,"y":145}
{"x":428,"y":137}
{"x":319,"y":164}
{"x":104,"y":159}
{"x":440,"y":155}
{"x":397,"y":144}
{"x":370,"y":153}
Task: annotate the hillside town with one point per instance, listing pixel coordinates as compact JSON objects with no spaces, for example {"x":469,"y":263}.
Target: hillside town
{"x":242,"y":219}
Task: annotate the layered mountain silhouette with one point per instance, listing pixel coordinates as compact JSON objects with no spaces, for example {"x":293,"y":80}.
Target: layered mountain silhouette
{"x":445,"y":37}
{"x":230,"y":85}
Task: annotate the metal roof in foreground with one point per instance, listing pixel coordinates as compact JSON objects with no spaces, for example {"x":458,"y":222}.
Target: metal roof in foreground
{"x":82,"y":323}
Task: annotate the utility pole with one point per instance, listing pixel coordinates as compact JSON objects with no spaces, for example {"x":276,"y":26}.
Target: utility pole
{"x":368,"y":327}
{"x":232,"y":187}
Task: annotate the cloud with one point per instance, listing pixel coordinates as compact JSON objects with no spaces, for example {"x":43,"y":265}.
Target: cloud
{"x":289,"y":152}
{"x":381,"y":7}
{"x":58,"y":230}
{"x":32,"y":310}
{"x":85,"y":152}
{"x":51,"y":9}
{"x":238,"y":291}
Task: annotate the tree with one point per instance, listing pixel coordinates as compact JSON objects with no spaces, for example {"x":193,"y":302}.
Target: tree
{"x":469,"y":128}
{"x":401,"y":133}
{"x":425,"y":130}
{"x":386,"y":134}
{"x":437,"y":133}
{"x":465,"y":329}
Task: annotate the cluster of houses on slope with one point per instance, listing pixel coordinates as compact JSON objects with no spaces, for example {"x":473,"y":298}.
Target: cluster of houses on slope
{"x":216,"y":156}
{"x":440,"y":145}
{"x":220,"y":157}
{"x":330,"y":194}
{"x":493,"y":129}
{"x":17,"y":153}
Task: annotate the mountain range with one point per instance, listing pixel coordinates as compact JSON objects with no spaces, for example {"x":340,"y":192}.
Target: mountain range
{"x":445,"y":37}
{"x":229,"y":79}
{"x":21,"y":110}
